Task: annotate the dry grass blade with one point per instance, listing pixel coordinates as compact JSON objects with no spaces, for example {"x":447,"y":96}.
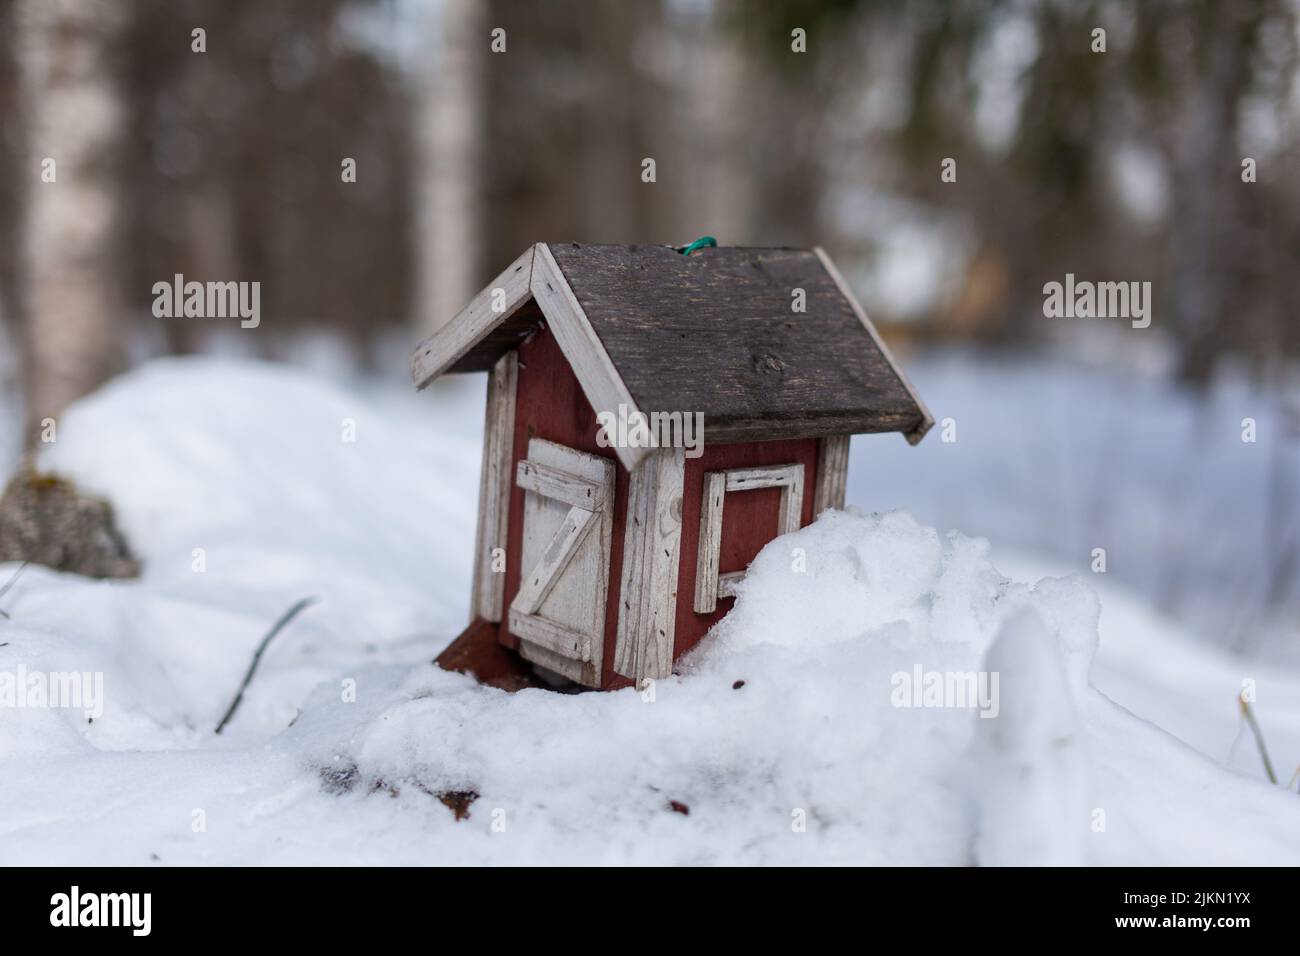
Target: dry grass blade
{"x":279,"y":625}
{"x":13,"y":579}
{"x":1259,"y":738}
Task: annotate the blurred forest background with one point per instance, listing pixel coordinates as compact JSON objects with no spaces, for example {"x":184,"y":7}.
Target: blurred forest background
{"x":1122,"y":165}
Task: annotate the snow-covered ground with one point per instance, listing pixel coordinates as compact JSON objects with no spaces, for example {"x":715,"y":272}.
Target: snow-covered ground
{"x":1058,"y":457}
{"x":235,"y":483}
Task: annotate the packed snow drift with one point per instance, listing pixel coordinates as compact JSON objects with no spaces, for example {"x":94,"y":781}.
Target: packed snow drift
{"x":880,"y":694}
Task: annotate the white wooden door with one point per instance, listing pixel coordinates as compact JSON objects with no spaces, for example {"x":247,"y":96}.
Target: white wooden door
{"x":558,"y":613}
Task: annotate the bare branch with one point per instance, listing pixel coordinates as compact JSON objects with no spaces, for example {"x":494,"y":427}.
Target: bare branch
{"x":285,"y":618}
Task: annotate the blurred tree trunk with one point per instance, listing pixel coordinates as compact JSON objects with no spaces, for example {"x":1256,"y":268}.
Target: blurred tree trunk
{"x":1205,"y":169}
{"x":611,"y":150}
{"x":722,"y":188}
{"x":11,"y":132}
{"x":75,"y":117}
{"x":448,"y":261}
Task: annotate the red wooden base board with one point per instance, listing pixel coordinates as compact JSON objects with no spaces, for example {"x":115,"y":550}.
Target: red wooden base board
{"x":478,"y":652}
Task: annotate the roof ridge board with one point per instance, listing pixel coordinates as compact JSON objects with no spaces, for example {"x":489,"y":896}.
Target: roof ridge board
{"x":451,"y":341}
{"x":583,"y":349}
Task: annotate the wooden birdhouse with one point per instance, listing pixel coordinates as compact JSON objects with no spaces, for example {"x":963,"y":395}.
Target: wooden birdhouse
{"x":610,"y":538}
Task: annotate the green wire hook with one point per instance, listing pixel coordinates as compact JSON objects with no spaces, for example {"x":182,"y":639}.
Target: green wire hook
{"x":699,"y":243}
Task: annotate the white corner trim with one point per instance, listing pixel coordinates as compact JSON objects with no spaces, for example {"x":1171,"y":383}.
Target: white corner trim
{"x":651,"y":560}
{"x":445,"y":347}
{"x":488,"y":593}
{"x":599,"y":379}
{"x":709,"y":584}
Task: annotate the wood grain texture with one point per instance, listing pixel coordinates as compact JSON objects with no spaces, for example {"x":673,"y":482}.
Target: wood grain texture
{"x":441,"y":351}
{"x":751,"y":479}
{"x":917,"y":431}
{"x":487,"y":596}
{"x":567,"y":666}
{"x":651,"y":559}
{"x":709,"y":583}
{"x":727,"y":583}
{"x":832,"y":474}
{"x":559,"y":605}
{"x":600,"y":379}
{"x":710,"y":546}
{"x":789,"y":478}
{"x":552,"y":483}
{"x":791,"y":501}
{"x":556,"y":638}
{"x":715,"y":333}
{"x":750,"y":521}
{"x":552,"y":406}
{"x":564,"y":544}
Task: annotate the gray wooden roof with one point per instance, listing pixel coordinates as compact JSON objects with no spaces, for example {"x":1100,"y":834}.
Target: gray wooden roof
{"x":713,"y":332}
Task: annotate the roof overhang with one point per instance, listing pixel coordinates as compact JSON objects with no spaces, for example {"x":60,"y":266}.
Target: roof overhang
{"x":534,"y":289}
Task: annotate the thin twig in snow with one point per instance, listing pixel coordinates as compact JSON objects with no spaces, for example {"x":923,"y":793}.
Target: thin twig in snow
{"x":285,"y":618}
{"x":1259,"y":738}
{"x":10,"y":583}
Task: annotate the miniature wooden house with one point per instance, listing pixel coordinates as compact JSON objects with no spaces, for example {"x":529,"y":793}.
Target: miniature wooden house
{"x":605,"y":563}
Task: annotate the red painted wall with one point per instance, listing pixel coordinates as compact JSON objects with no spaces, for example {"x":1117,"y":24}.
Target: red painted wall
{"x":748,"y":521}
{"x":550,"y":404}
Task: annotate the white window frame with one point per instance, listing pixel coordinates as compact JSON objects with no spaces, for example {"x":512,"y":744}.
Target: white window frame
{"x":709,"y":584}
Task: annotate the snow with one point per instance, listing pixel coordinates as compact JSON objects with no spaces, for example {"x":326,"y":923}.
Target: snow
{"x":1059,"y":456}
{"x":347,"y":732}
{"x":1028,"y":761}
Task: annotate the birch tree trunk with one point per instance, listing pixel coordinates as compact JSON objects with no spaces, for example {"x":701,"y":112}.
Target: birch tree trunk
{"x":73,"y":106}
{"x":450,"y":149}
{"x":11,"y":167}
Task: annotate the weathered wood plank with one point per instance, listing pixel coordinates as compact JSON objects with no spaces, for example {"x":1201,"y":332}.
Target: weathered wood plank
{"x":717,"y":332}
{"x":559,"y":607}
{"x":709,"y":584}
{"x":600,"y":380}
{"x":759,"y":369}
{"x":580,"y":672}
{"x":917,"y":432}
{"x":556,"y":484}
{"x":538,"y":581}
{"x":789,"y":478}
{"x":764,"y":476}
{"x":710,"y":548}
{"x":494,"y":488}
{"x":644,"y":643}
{"x":557,"y":638}
{"x":791,"y":502}
{"x":727,"y":583}
{"x":484,"y":313}
{"x":832,"y":474}
{"x":559,"y":457}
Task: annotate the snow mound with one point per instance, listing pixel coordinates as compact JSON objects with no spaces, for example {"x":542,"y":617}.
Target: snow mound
{"x":784,"y":736}
{"x":245,"y":486}
{"x":1030,"y":774}
{"x":879,"y":694}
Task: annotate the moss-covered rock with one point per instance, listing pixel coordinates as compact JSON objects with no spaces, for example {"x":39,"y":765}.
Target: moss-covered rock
{"x":46,"y":519}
